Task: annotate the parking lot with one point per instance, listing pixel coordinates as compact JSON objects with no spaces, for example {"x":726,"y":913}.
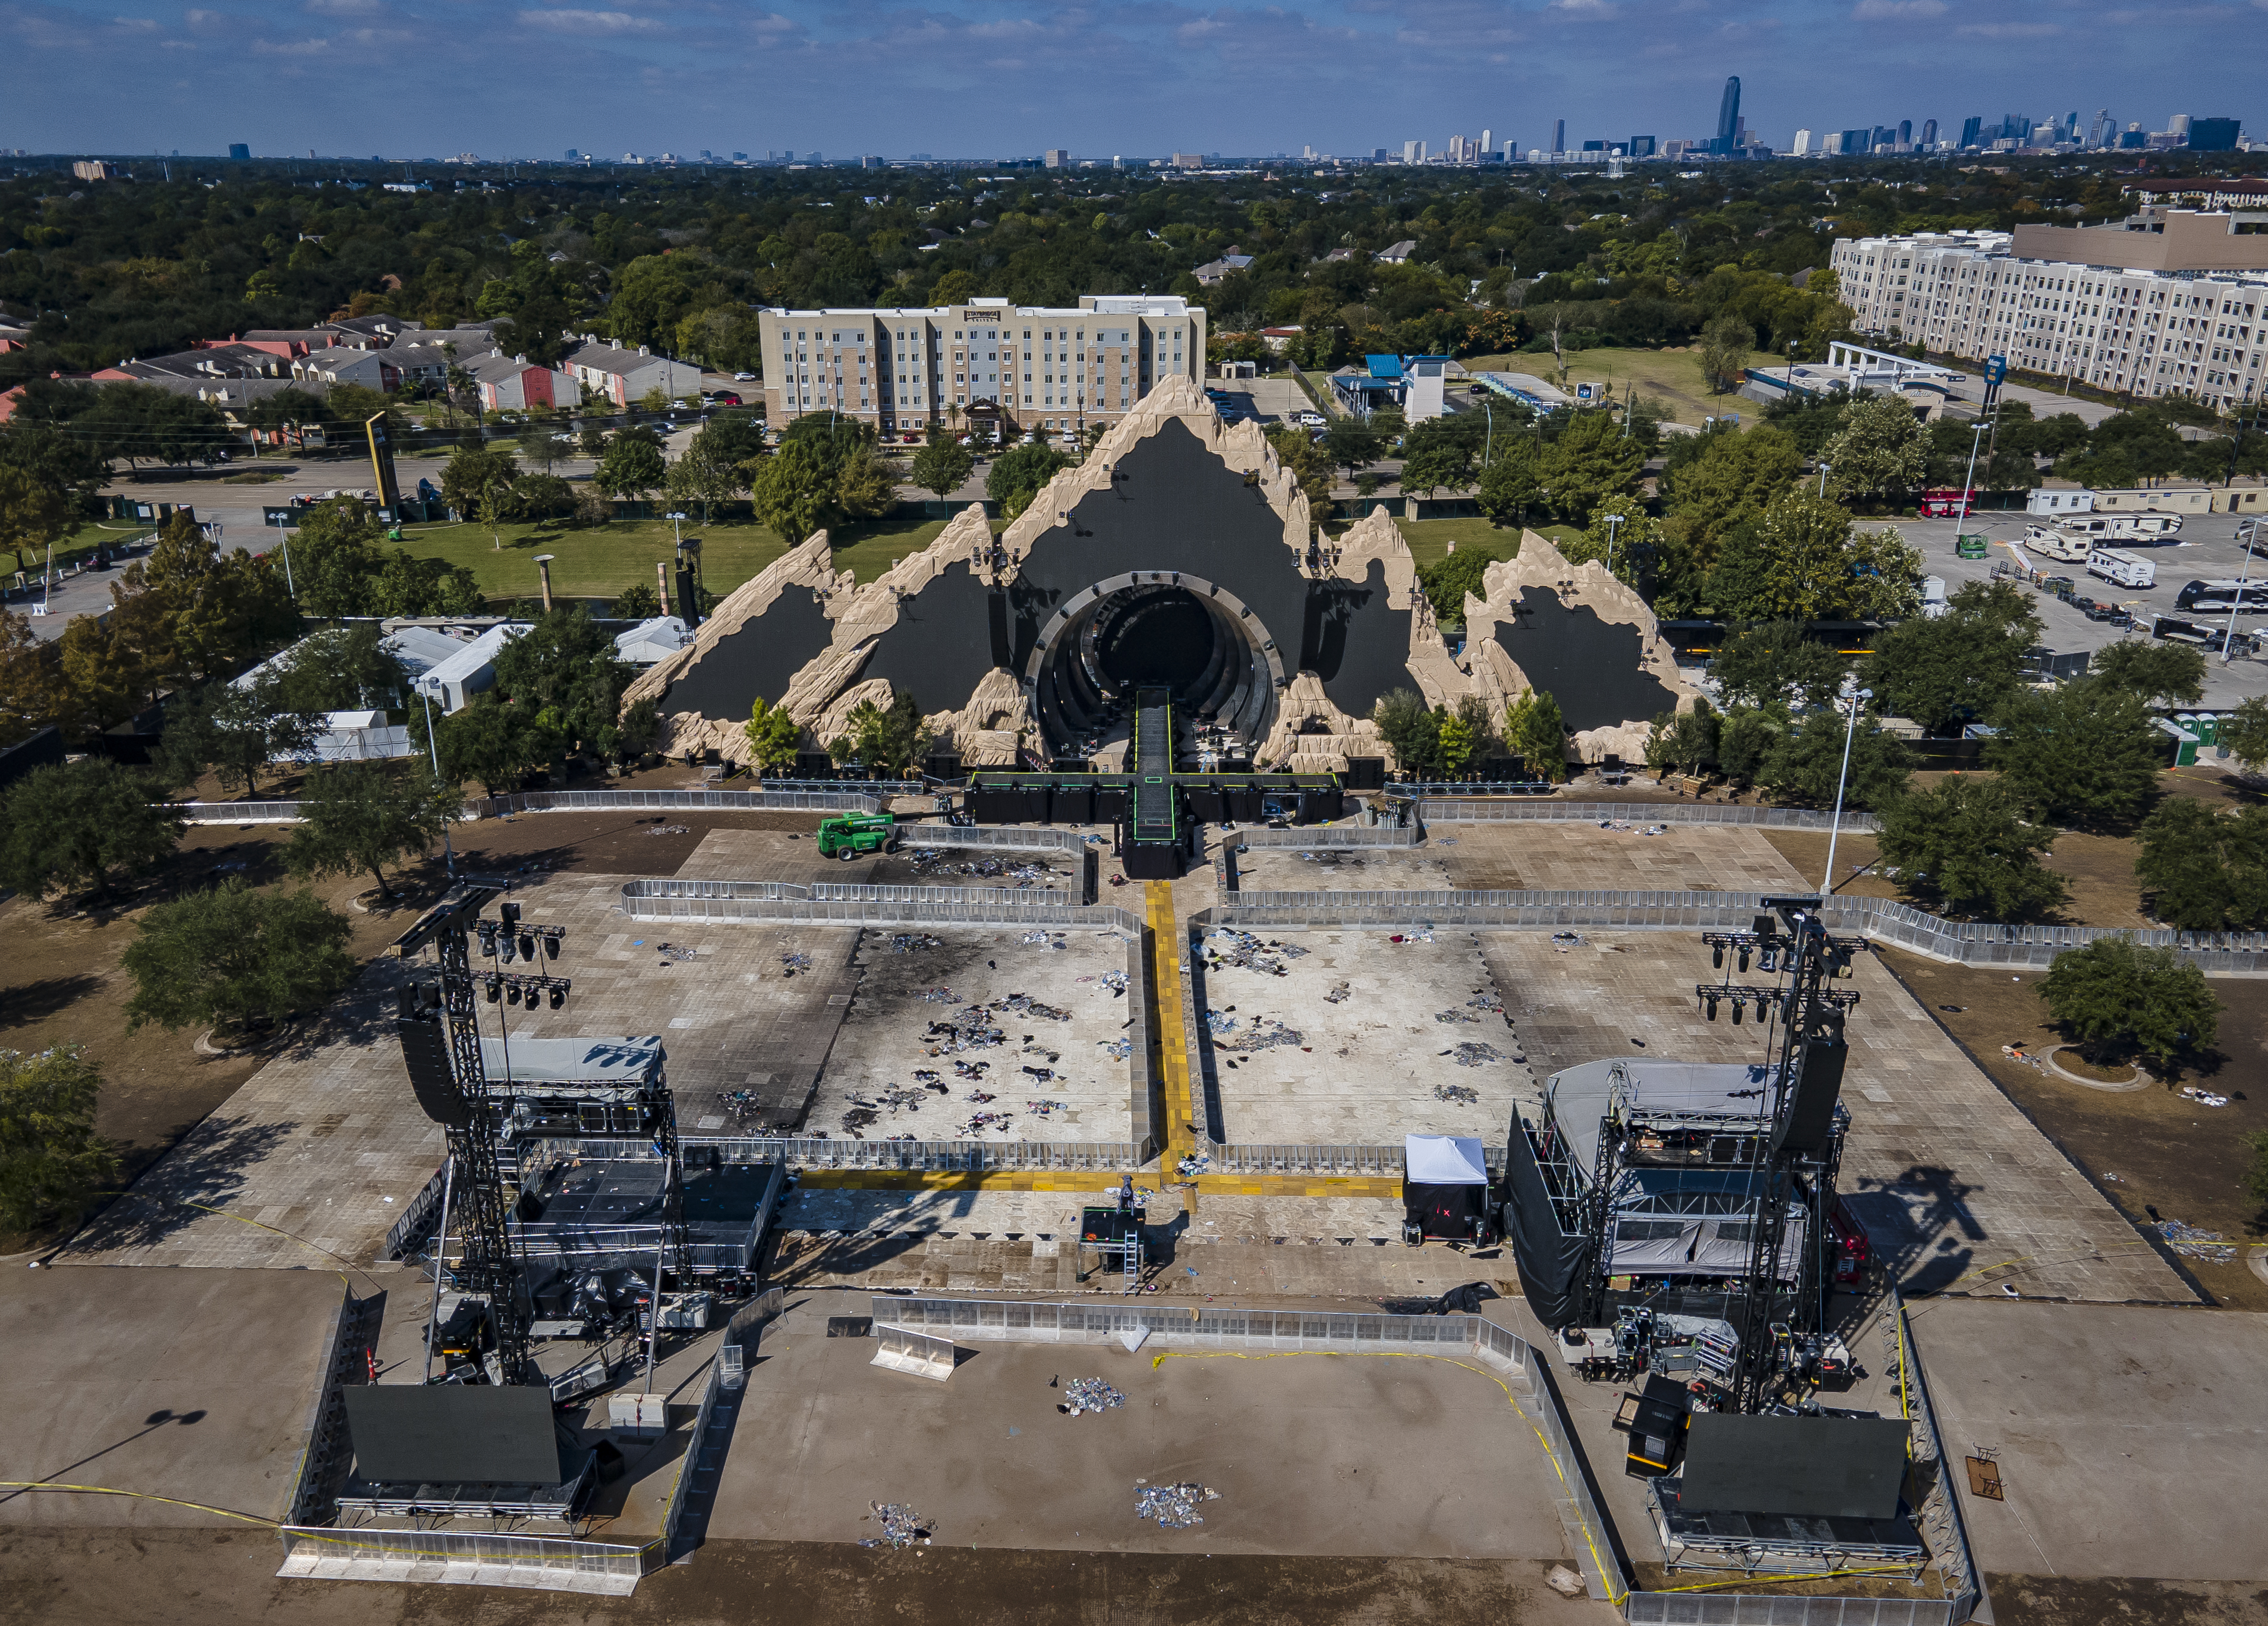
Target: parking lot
{"x":2204,"y":548}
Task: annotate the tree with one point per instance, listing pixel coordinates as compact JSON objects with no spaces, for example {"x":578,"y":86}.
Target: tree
{"x":488,"y":740}
{"x":1715,"y":480}
{"x":478,"y":482}
{"x":633,"y":465}
{"x":1803,"y":561}
{"x":236,"y":957}
{"x":1456,"y":744}
{"x":238,"y":728}
{"x":2245,"y":732}
{"x":1967,"y":846}
{"x":1446,"y":581}
{"x":2114,"y":994}
{"x":291,"y":411}
{"x":564,"y":667}
{"x":886,"y":740}
{"x":795,"y":491}
{"x":51,"y":1159}
{"x":637,"y":602}
{"x":1434,"y":465}
{"x":773,"y":736}
{"x":358,"y":817}
{"x":2205,"y":871}
{"x":1725,"y":346}
{"x":1591,"y":464}
{"x":1880,"y":448}
{"x":2161,"y":673}
{"x":334,"y":556}
{"x":1510,"y":487}
{"x":81,"y":825}
{"x":1535,"y":731}
{"x":1018,"y":475}
{"x":1351,"y":443}
{"x":1773,"y":663}
{"x":708,"y":474}
{"x":1939,"y":670}
{"x":1805,"y":762}
{"x":1686,"y":740}
{"x":867,"y":486}
{"x":1412,"y":728}
{"x":943,"y":466}
{"x":1306,"y":463}
{"x":33,"y":513}
{"x":342,"y":669}
{"x":2084,"y":753}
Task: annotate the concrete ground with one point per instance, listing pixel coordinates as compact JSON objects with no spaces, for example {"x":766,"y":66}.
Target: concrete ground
{"x":1369,"y":1068}
{"x":1340,"y":869}
{"x":1273,"y":400}
{"x":194,"y":1385}
{"x":1957,"y":1188}
{"x":1623,"y":857}
{"x":1294,"y":1446}
{"x":872,"y":1088}
{"x":2129,"y":1439}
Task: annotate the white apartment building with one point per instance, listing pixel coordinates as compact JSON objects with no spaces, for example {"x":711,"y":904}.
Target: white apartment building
{"x":2171,"y":302}
{"x":1028,"y":367}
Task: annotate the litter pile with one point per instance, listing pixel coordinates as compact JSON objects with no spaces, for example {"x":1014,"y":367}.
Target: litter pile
{"x":1042,"y":939}
{"x":970,"y":1028}
{"x":1455,"y":1016}
{"x":978,"y":1122}
{"x":1193,"y":1164}
{"x":902,"y":1526}
{"x":1457,"y":1095}
{"x":669,"y":829}
{"x":931,"y":861}
{"x":674,"y":950}
{"x":941,"y":997}
{"x":1117,"y":1049}
{"x":1423,"y":935}
{"x":1564,"y":941}
{"x":1275,"y":1033}
{"x":1024,"y":1004}
{"x":1472,"y":1053}
{"x":1486,"y":999}
{"x":1090,"y":1394}
{"x":2192,"y":1242}
{"x":2203,"y":1098}
{"x":1219,"y":1022}
{"x":1226,"y":947}
{"x":1173,"y":1506}
{"x":907,"y":942}
{"x":1046,"y":1108}
{"x":1338,"y":996}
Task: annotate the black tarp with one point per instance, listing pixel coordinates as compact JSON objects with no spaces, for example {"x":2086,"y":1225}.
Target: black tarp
{"x":1594,"y":668}
{"x":1548,"y":1259}
{"x":453,"y":1434}
{"x":761,"y":658}
{"x":1843,"y":1467}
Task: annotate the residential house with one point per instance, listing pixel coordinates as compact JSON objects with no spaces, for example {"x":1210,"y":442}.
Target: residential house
{"x":625,"y":376}
{"x":1214,"y":271}
{"x":514,"y":384}
{"x":1399,"y":254}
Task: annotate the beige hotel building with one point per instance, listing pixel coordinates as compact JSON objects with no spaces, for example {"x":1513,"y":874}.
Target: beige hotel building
{"x":1024,"y":367}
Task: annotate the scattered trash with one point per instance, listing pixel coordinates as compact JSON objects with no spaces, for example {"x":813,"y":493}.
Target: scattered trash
{"x":1117,"y":1049}
{"x":969,"y":1029}
{"x":2203,"y":1098}
{"x":675,"y":952}
{"x":1042,"y":1075}
{"x":1472,"y":1053}
{"x":978,"y":1122}
{"x":1046,"y":1108}
{"x":1173,"y":1506}
{"x":1953,"y":1010}
{"x":1423,"y":936}
{"x":1445,"y":841}
{"x":2192,"y":1242}
{"x":923,"y":1075}
{"x":1089,"y":1395}
{"x":1193,"y":1164}
{"x":908,"y":942}
{"x":902,"y":1526}
{"x":1226,"y":947}
{"x":1042,"y":939}
{"x":1564,"y":941}
{"x":1486,"y":999}
{"x":1024,"y":1004}
{"x":1338,"y":996}
{"x":1655,"y":829}
{"x":1219,"y":1022}
{"x":1114,"y":981}
{"x":1459,"y":1094}
{"x":1563,"y":1581}
{"x":1275,"y":1035}
{"x":931,"y":861}
{"x":1455,"y":1016}
{"x":941,"y":997}
{"x":669,"y":829}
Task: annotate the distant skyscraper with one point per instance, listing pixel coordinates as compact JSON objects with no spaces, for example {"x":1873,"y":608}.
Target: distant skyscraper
{"x":239,"y":149}
{"x":1641,"y":146}
{"x":573,"y":156}
{"x":2214,"y":135}
{"x":1929,"y":132}
{"x":2099,"y":132}
{"x":1905,"y":132}
{"x":1728,"y":117}
{"x":1802,"y":144}
{"x":2178,"y":125}
{"x":1488,"y":141}
{"x":1972,"y":132}
{"x":1559,"y":136}
{"x":1413,"y":152}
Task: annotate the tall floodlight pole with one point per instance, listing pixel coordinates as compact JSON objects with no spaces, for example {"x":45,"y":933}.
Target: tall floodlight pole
{"x":1856,"y":698}
{"x":2248,"y":531}
{"x":1968,"y":481}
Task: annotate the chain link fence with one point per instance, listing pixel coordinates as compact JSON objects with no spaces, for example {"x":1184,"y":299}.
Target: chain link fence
{"x":1315,"y":836}
{"x":1468,"y":810}
{"x":848,"y":892}
{"x":987,"y":909}
{"x":908,"y":1156}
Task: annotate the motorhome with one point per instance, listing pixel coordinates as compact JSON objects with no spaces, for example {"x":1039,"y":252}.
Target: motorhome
{"x":2121,"y":568}
{"x":2081,"y":532}
{"x":2065,"y":543}
{"x":2223,"y":595}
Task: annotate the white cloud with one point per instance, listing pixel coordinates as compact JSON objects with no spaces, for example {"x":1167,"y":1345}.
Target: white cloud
{"x":290,"y":47}
{"x":1898,"y":10}
{"x":2009,"y":30}
{"x":590,"y":22}
{"x":345,"y":8}
{"x":1584,"y":7}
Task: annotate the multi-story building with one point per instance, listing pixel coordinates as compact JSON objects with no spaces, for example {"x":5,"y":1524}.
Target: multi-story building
{"x":2169,"y":302}
{"x":1023,"y":367}
{"x":626,"y":377}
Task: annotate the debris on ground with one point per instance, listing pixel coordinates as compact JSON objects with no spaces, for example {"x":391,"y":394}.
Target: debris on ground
{"x":1486,"y":999}
{"x":908,"y":942}
{"x":1426,"y":935}
{"x":1275,"y":1034}
{"x":931,"y":861}
{"x":1457,"y":1095}
{"x":658,"y":829}
{"x":902,"y":1526}
{"x":1173,"y":1506}
{"x":1224,"y":946}
{"x":969,"y":1028}
{"x":677,"y":952}
{"x":1114,"y":981}
{"x":1472,"y":1053}
{"x":1042,"y":939}
{"x":1218,"y":1022}
{"x":1024,"y":1004}
{"x":978,"y":1122}
{"x":941,"y":997}
{"x":1090,"y":1394}
{"x":2192,"y":1242}
{"x":2203,"y":1098}
{"x":1193,"y":1164}
{"x":1117,"y":1049}
{"x":1455,"y":1016}
{"x":1564,"y":941}
{"x":1338,"y":996}
{"x":1041,"y":1075}
{"x":1046,"y":1108}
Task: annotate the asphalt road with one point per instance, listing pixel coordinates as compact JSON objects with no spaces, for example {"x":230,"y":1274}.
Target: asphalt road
{"x":2205,"y":548}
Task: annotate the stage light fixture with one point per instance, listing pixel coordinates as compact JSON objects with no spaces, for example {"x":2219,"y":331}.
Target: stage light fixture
{"x":511,"y":995}
{"x":1768,"y":958}
{"x":551,"y":946}
{"x":505,"y":951}
{"x":558,"y":995}
{"x":487,"y":929}
{"x":527,"y":947}
{"x":1739,"y":1005}
{"x":1712,"y":1010}
{"x":1742,"y":957}
{"x":508,"y":913}
{"x":495,"y":986}
{"x":1717,"y":955}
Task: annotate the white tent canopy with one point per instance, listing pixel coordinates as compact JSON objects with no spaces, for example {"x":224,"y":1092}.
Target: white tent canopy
{"x":1443,"y":1160}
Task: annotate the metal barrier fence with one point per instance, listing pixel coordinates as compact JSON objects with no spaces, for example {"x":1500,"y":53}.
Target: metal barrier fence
{"x":1881,"y":919}
{"x":862,"y":912}
{"x":545,"y":1562}
{"x":1386,"y":1162}
{"x":424,"y":1209}
{"x":236,"y":813}
{"x":847,"y":892}
{"x":1000,"y":837}
{"x":1765,"y":1609}
{"x":911,"y":1156}
{"x":1321,"y":836}
{"x":844,"y":796}
{"x":1455,"y":810}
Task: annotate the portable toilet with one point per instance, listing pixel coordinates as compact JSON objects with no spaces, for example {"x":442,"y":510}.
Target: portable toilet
{"x":2184,"y":742}
{"x":2206,"y":726}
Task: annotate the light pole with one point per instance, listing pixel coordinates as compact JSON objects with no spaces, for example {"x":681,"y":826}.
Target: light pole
{"x":1968,"y":481}
{"x":433,"y":742}
{"x":1856,"y":697}
{"x":1823,"y":467}
{"x":676,"y":526}
{"x":1613,"y":520}
{"x":2250,"y":530}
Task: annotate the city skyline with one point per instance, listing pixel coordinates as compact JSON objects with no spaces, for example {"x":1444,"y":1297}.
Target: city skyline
{"x":286,"y":76}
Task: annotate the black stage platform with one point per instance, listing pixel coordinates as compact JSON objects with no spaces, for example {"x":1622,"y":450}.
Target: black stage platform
{"x":599,"y":1212}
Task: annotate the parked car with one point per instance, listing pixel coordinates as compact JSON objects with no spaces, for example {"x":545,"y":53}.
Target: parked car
{"x":1311,"y":420}
{"x":724,"y":398}
{"x":744,"y":378}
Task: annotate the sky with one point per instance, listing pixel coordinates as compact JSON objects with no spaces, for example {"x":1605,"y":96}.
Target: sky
{"x":527,"y":79}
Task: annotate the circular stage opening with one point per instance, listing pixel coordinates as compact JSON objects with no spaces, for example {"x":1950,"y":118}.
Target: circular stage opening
{"x":1164,"y":638}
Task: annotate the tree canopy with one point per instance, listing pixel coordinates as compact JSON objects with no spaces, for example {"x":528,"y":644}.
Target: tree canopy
{"x":2115,"y":993}
{"x":235,"y":955}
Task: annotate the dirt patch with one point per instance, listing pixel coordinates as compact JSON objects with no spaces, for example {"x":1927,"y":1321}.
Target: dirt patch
{"x":2144,"y":1148}
{"x":2124,"y":1601}
{"x":2099,"y":870}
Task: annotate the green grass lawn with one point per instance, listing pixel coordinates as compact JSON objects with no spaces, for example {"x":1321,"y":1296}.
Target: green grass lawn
{"x":1671,"y":377}
{"x":1429,"y":540}
{"x":598,"y":561}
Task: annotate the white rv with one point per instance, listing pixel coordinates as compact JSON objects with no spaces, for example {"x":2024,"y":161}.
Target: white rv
{"x":2065,"y":542}
{"x":2121,"y":568}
